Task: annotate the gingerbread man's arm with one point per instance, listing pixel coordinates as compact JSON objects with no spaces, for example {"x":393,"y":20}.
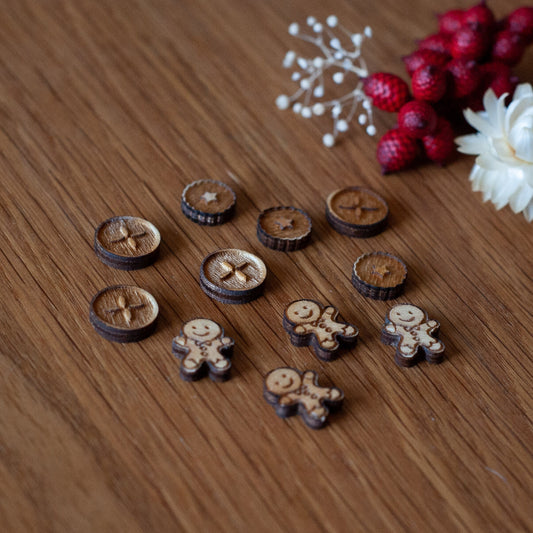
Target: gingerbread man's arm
{"x":329,"y":313}
{"x":227,"y":341}
{"x":302,"y":328}
{"x":308,"y":378}
{"x":181,"y":340}
{"x":289,"y":398}
{"x":390,"y":328}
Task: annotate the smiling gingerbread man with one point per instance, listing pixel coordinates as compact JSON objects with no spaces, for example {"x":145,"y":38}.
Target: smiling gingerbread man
{"x":310,"y":323}
{"x":200,"y":346}
{"x":408,"y":328}
{"x":293,"y":392}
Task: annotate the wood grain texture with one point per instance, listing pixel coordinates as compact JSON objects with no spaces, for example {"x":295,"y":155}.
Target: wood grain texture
{"x":111,"y":108}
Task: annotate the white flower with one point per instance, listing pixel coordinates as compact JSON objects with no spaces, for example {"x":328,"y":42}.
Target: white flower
{"x":503,"y":171}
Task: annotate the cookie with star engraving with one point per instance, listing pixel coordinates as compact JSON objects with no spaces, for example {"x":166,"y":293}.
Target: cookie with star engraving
{"x":123,"y":313}
{"x":284,"y":228}
{"x":357,"y":212}
{"x":232,"y":276}
{"x":208,"y":202}
{"x":126,"y":242}
{"x":379,"y":275}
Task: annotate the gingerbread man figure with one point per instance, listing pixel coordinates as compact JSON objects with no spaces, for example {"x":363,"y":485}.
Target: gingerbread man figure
{"x":202,"y":347}
{"x":310,"y":323}
{"x":408,"y":328}
{"x":293,"y":392}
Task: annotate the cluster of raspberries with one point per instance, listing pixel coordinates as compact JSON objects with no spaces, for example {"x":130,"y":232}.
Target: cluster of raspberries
{"x":450,"y":71}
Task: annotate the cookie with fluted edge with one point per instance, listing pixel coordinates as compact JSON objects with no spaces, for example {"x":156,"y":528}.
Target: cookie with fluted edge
{"x":379,"y":275}
{"x":284,"y":228}
{"x":233,"y":276}
{"x":208,"y":202}
{"x":293,"y":392}
{"x":357,"y":212}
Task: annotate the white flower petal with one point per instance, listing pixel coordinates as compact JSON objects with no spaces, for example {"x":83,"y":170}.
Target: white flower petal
{"x":523,"y":90}
{"x":521,"y":137}
{"x":528,"y":212}
{"x":521,"y":198}
{"x":473,"y":144}
{"x":515,"y":110}
{"x":481,"y":124}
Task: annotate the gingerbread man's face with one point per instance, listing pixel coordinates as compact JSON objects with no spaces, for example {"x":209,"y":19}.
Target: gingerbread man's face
{"x":201,"y":330}
{"x":283,"y":380}
{"x":406,"y":315}
{"x":303,"y":312}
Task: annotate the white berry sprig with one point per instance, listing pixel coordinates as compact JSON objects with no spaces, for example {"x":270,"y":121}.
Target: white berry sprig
{"x":310,"y":73}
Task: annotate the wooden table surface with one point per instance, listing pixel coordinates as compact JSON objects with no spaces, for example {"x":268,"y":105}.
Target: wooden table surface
{"x":112,"y":108}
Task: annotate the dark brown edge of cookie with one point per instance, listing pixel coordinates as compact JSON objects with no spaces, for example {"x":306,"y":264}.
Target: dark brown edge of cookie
{"x":286,"y":411}
{"x":214,"y":374}
{"x":422,"y":353}
{"x":244,"y":297}
{"x":201,"y":217}
{"x":113,"y":334}
{"x":373,"y":291}
{"x":227,"y":295}
{"x":282,"y":244}
{"x":121,"y":262}
{"x":360,"y":231}
{"x":309,"y":339}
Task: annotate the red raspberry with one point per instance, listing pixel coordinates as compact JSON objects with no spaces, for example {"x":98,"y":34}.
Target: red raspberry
{"x":439,"y":145}
{"x":388,"y":92}
{"x":468,"y":42}
{"x":504,"y":84}
{"x":521,"y":21}
{"x":396,"y":151}
{"x":498,"y":77}
{"x":479,"y":16}
{"x":438,"y":42}
{"x":451,"y":21}
{"x":466,"y":76}
{"x":417,"y":119}
{"x":508,"y":48}
{"x":424,"y":57}
{"x":429,"y":83}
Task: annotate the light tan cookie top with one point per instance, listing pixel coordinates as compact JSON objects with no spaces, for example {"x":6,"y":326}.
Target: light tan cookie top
{"x":356,"y":205}
{"x":209,"y":196}
{"x":285,"y":222}
{"x":235,"y":270}
{"x":125,"y":307}
{"x":380,"y":269}
{"x":127,"y":236}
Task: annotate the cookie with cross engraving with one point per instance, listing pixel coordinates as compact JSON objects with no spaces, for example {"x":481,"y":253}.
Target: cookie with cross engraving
{"x":284,"y":228}
{"x":124,"y":313}
{"x":357,"y":212}
{"x":208,"y":202}
{"x":293,"y":392}
{"x":232,"y":276}
{"x":409,"y":329}
{"x":126,"y":242}
{"x":309,"y":323}
{"x":203,"y":349}
{"x":379,"y":275}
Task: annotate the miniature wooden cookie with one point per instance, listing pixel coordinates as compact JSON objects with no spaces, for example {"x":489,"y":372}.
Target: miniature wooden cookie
{"x":202,"y":348}
{"x":284,"y":228}
{"x":309,"y":323}
{"x":292,"y":392}
{"x":127,"y":243}
{"x":208,"y":202}
{"x":379,"y":275}
{"x":232,"y":276}
{"x":357,"y":212}
{"x":407,"y":327}
{"x":124,"y":313}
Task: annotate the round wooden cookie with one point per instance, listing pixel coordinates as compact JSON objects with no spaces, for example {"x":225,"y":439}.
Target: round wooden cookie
{"x":357,"y":212}
{"x":127,"y":243}
{"x":208,"y":202}
{"x":124,"y":313}
{"x":379,"y":275}
{"x":232,"y":276}
{"x":284,"y":228}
